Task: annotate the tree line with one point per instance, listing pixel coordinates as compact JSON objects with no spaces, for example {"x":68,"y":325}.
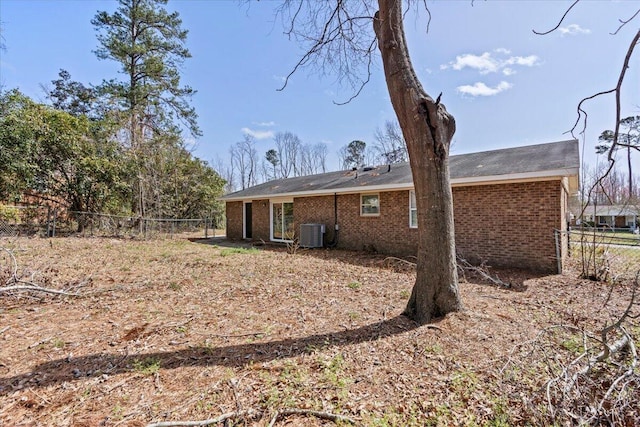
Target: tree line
{"x":119,"y":146}
{"x":291,"y":157}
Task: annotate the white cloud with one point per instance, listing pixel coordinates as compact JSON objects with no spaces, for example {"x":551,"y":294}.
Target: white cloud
{"x":481,"y":89}
{"x":258,"y":134}
{"x":265,"y":124}
{"x":492,"y":62}
{"x":483,"y":63}
{"x":525,"y":61}
{"x":573,"y":29}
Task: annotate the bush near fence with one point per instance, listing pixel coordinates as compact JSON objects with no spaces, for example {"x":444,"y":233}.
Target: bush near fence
{"x":605,"y":254}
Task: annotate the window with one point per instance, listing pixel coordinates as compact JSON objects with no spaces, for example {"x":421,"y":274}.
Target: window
{"x":413,"y":210}
{"x":369,"y":204}
{"x":282,"y":221}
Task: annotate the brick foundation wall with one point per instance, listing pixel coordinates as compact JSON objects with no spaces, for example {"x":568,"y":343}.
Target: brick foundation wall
{"x":509,"y":225}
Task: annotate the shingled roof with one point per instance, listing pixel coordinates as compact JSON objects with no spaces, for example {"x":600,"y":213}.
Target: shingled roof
{"x":541,"y":161}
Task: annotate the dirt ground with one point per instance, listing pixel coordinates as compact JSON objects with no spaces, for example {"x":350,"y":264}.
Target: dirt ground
{"x":179,"y":330}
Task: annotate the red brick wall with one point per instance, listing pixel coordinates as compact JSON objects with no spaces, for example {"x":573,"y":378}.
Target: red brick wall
{"x":261,"y":220}
{"x":509,"y":224}
{"x":234,"y":220}
{"x":315,"y":210}
{"x":502,"y":224}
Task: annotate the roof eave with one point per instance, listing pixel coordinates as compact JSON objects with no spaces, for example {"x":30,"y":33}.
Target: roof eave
{"x":571,"y":173}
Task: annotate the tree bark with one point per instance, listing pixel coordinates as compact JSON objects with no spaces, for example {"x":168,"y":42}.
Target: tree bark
{"x":428,"y":129}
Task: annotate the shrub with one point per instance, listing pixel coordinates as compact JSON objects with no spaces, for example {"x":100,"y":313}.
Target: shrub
{"x":9,"y":213}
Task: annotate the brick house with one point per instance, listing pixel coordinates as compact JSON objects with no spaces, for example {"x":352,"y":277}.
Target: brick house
{"x":507,"y":205}
{"x":613,"y":216}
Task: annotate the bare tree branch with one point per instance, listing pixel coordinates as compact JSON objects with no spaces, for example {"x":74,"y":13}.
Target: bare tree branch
{"x":624,"y":22}
{"x":336,"y":36}
{"x":559,"y":23}
{"x":221,"y":418}
{"x":15,"y":284}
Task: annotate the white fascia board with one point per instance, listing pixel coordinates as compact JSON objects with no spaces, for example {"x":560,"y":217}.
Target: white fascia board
{"x":516,"y":177}
{"x":456,"y":182}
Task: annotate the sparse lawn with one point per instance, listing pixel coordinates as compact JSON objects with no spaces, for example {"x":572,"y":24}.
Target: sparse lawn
{"x":182,"y":330}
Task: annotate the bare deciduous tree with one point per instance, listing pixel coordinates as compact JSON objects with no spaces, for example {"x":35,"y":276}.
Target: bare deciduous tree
{"x":244,"y":158}
{"x":339,"y":40}
{"x":288,"y":146}
{"x":390,"y":146}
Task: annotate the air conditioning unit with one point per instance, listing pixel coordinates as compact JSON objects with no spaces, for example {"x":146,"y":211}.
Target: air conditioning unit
{"x":311,"y":235}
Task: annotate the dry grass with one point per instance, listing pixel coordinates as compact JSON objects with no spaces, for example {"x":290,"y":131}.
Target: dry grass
{"x":185,"y":330}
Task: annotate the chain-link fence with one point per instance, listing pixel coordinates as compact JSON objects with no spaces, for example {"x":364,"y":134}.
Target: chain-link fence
{"x":51,"y":222}
{"x":25,"y":220}
{"x":603,"y":254}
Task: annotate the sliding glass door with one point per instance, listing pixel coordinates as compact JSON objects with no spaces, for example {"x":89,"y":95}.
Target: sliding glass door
{"x":282,"y":221}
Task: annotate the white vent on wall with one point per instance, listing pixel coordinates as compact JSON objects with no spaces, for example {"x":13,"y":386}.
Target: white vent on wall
{"x":311,"y":235}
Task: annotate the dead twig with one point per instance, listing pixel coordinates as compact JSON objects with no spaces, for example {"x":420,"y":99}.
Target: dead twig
{"x":221,"y":418}
{"x":250,"y":334}
{"x":567,"y":390}
{"x":318,"y":414}
{"x":465,"y":265}
{"x":36,"y":288}
{"x":15,"y":284}
{"x":400,"y":260}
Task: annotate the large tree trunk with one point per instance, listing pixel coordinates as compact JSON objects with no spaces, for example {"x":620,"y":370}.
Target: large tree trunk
{"x":428,"y":129}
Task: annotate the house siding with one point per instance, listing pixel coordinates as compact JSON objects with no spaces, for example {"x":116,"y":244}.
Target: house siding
{"x":507,"y":225}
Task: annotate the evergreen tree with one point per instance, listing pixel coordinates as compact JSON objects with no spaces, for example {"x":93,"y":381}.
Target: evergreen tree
{"x":149,"y":44}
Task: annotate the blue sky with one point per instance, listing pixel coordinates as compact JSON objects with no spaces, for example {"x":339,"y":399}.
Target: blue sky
{"x":504,"y":85}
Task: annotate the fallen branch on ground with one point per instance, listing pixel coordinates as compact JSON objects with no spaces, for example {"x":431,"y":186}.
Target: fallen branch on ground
{"x":318,"y":414}
{"x":597,"y":385}
{"x":463,"y":265}
{"x":16,"y":284}
{"x":36,"y":288}
{"x":336,"y":418}
{"x":221,"y":418}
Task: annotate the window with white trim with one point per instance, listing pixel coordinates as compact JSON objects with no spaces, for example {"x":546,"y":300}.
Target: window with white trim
{"x":370,"y":204}
{"x":413,"y":210}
